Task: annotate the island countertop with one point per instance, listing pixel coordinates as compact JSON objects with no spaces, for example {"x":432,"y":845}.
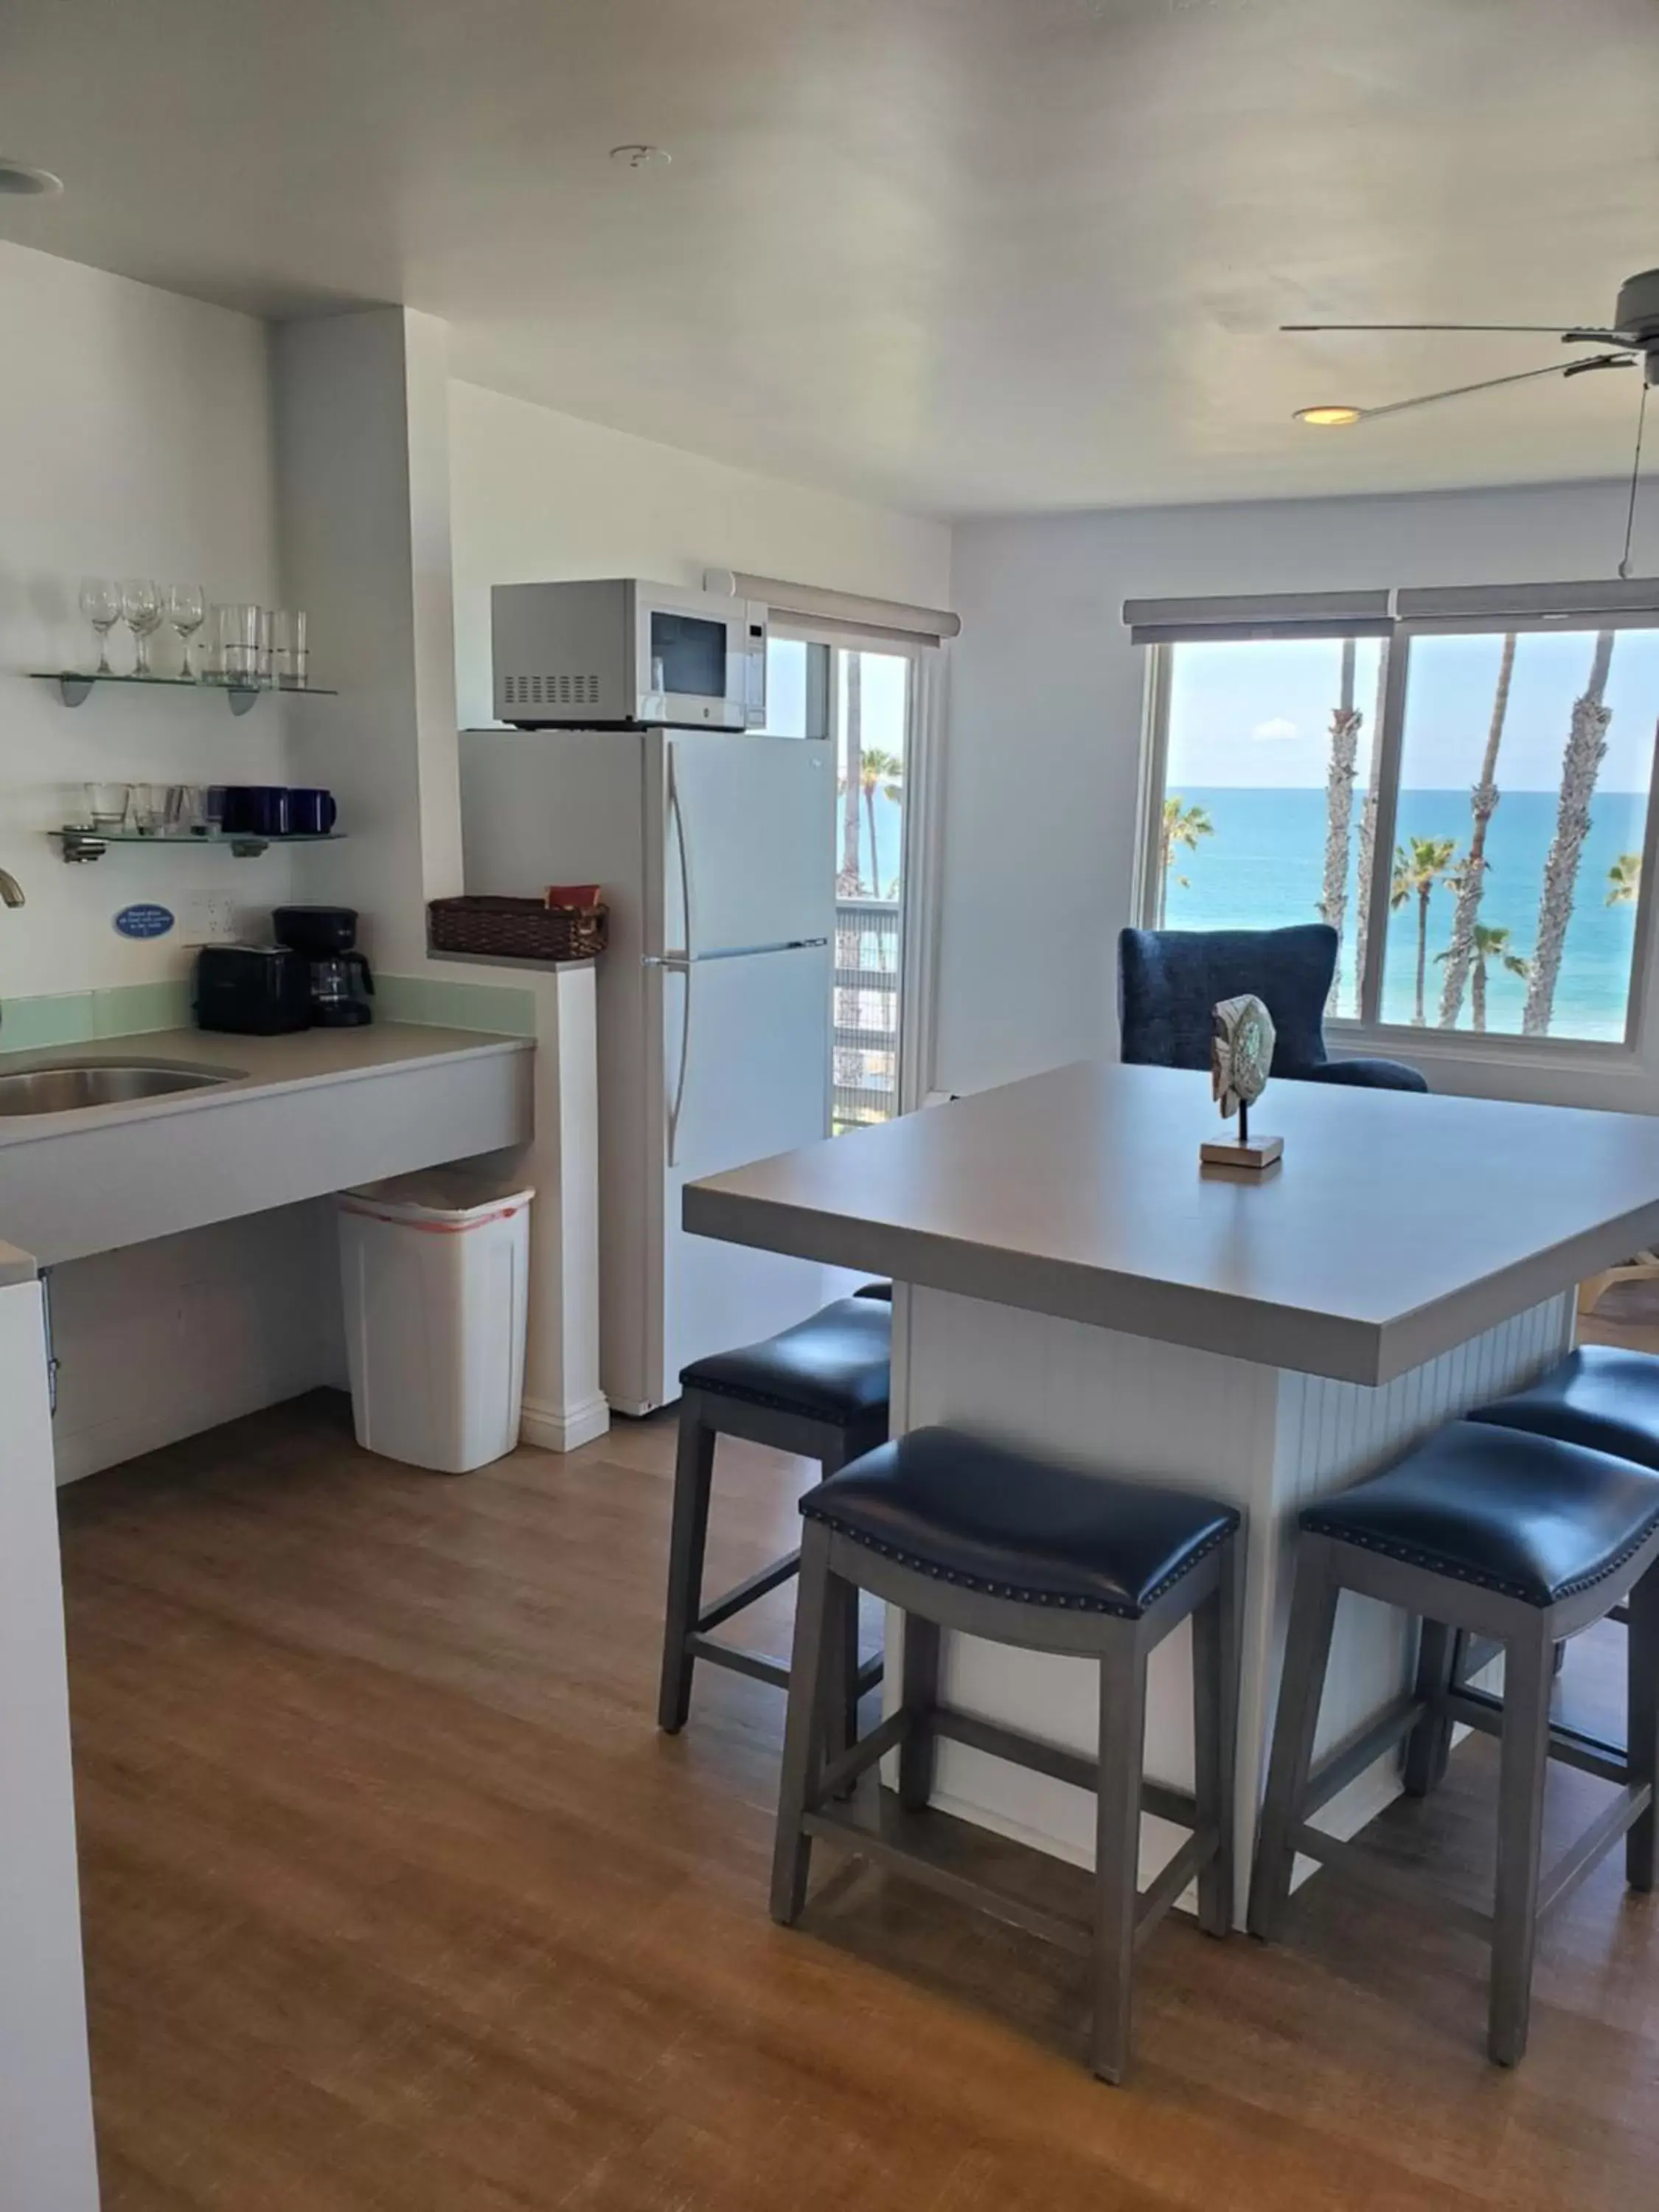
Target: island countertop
{"x":1396,"y":1227}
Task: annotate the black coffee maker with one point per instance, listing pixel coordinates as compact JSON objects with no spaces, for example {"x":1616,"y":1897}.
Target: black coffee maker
{"x":341,"y":983}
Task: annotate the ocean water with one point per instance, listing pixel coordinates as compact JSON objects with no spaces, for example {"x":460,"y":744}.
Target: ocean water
{"x":1265,"y":863}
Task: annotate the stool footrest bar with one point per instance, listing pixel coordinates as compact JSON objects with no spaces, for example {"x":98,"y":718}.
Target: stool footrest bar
{"x":1351,"y":1759}
{"x":1161,"y":1892}
{"x":864,"y":1753}
{"x":1590,"y":1755}
{"x":1579,"y":1859}
{"x":745,"y":1593}
{"x":1157,"y":1798}
{"x":741,"y":1661}
{"x":886,"y":1849}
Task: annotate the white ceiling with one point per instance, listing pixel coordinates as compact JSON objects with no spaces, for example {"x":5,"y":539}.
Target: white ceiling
{"x":960,"y":255}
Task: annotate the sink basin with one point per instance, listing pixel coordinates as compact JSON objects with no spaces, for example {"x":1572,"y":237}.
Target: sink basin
{"x":67,"y":1088}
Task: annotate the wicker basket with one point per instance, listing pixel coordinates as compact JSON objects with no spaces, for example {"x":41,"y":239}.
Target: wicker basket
{"x":517,"y":929}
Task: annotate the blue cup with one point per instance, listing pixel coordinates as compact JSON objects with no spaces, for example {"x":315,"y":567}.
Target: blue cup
{"x":311,"y":813}
{"x":257,"y":809}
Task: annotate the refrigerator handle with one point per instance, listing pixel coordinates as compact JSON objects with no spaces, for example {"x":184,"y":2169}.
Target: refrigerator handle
{"x":677,"y":815}
{"x":677,"y":1105}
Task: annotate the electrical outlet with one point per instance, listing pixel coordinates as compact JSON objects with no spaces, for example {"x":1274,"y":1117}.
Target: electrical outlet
{"x":210,"y":918}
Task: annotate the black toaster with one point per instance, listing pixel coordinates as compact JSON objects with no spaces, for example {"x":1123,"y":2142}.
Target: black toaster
{"x":254,"y":990}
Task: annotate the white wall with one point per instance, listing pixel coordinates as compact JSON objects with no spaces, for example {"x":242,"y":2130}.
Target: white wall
{"x":535,"y":496}
{"x":135,"y":439}
{"x":1043,"y":756}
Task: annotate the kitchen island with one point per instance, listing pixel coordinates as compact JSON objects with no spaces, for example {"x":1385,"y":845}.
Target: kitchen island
{"x":1067,"y":1278}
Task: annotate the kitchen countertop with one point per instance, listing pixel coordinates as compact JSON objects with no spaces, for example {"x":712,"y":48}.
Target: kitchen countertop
{"x":1396,"y":1227}
{"x":261,"y":1064}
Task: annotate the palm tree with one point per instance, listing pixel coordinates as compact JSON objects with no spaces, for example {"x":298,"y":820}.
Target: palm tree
{"x":882,"y":771}
{"x":1581,"y":763}
{"x":1339,"y":810}
{"x":1483,"y":803}
{"x":1181,"y":828}
{"x":1488,"y":942}
{"x":1624,"y":880}
{"x":1416,"y":872}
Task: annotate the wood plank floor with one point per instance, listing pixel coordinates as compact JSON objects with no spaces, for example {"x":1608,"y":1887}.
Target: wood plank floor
{"x":395,"y":1899}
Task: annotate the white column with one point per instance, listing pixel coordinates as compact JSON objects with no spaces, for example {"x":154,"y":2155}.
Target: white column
{"x":47,"y":2162}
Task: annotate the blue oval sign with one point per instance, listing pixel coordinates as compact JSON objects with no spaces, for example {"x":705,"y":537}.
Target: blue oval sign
{"x":146,"y":921}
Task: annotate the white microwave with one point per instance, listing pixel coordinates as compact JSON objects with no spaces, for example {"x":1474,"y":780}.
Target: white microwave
{"x":621,"y":654}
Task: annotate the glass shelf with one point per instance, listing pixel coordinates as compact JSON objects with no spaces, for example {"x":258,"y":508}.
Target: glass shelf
{"x":87,"y":844}
{"x":74,"y":686}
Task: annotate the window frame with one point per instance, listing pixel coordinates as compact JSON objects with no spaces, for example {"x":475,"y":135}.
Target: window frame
{"x":1367,"y":1031}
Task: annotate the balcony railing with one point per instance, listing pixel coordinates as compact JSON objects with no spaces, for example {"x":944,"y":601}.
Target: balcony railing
{"x":866,"y":1011}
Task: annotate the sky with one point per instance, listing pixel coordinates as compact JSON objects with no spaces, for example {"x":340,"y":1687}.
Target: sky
{"x":1257,"y":715}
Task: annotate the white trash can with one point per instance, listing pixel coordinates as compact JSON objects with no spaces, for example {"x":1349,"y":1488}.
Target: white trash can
{"x":434,"y":1271}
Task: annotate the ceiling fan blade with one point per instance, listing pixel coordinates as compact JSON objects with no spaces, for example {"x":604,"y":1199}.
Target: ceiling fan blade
{"x":1491,"y":384}
{"x":1536,"y":330}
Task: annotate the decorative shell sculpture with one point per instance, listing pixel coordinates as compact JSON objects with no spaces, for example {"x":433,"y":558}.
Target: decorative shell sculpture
{"x":1240,"y":1054}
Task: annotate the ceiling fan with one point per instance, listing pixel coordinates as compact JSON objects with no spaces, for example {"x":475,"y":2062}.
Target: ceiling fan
{"x":1631,"y":339}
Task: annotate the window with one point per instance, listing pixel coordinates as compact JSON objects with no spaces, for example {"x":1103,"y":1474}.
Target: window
{"x":1269,"y":789}
{"x":1505,"y":772}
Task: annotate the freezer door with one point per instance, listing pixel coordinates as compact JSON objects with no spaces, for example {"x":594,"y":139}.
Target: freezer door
{"x":748,"y":843}
{"x":748,"y":1078}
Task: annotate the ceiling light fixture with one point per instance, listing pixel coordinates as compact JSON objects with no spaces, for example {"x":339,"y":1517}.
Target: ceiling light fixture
{"x":642,"y":157}
{"x":20,"y":181}
{"x":1329,"y":418}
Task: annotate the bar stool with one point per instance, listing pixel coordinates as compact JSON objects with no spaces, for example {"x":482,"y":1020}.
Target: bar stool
{"x":1504,"y":1536}
{"x":819,"y":1388}
{"x":965,"y":1534}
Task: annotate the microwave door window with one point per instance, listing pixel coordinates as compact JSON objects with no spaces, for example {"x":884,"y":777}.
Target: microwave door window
{"x":687,"y":656}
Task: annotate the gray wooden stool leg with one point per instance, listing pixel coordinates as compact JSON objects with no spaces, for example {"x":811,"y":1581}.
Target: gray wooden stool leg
{"x":694,"y":1473}
{"x":1428,"y":1748}
{"x":1642,"y":1659}
{"x":921,"y":1696}
{"x":1216,"y":1628}
{"x":1307,"y":1651}
{"x":1528,"y":1677}
{"x":810,"y":1687}
{"x":1117,"y":1848}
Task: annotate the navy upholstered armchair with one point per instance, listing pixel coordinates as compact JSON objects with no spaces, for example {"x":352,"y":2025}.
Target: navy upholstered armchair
{"x":1169,"y":981}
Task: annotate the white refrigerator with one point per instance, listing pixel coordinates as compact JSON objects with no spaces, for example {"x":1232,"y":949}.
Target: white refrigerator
{"x":717,"y":856}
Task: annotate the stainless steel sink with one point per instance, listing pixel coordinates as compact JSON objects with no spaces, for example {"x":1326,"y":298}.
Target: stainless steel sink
{"x":75,"y":1085}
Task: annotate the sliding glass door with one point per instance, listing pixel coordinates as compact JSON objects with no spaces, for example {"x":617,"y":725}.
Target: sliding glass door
{"x":864,"y":697}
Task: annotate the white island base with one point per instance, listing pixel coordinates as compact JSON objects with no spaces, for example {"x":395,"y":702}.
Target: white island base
{"x":1268,"y":1439}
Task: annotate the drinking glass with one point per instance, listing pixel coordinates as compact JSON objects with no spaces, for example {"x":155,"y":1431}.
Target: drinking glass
{"x":239,"y":644}
{"x":107,"y":806}
{"x":100,"y":603}
{"x":148,"y":805}
{"x":141,"y":603}
{"x":186,"y":609}
{"x":267,"y":658}
{"x":213,"y":810}
{"x":292,"y":657}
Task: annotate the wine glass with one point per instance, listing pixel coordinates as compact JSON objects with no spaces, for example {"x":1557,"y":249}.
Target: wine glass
{"x":141,"y":604}
{"x":100,"y":603}
{"x":186,"y":609}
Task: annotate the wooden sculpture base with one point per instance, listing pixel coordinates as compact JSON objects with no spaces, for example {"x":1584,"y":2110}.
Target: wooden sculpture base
{"x":1247,"y":1153}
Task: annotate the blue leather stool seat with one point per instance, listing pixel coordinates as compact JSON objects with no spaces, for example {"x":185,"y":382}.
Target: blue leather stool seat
{"x":834,"y":1367}
{"x":1013,"y":1526}
{"x":1598,"y":1395}
{"x":1530,"y":1516}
